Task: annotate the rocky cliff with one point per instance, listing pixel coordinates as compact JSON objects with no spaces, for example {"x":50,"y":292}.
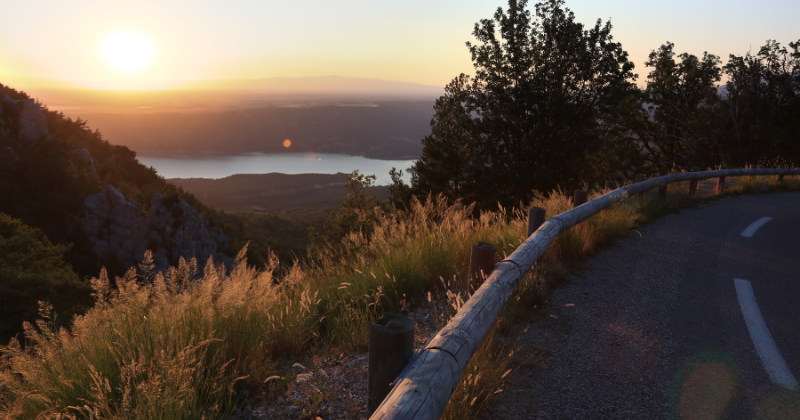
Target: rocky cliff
{"x":119,"y":232}
{"x":22,"y":119}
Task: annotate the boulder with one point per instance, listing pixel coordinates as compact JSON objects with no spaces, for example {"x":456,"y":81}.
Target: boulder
{"x":32,"y":122}
{"x":117,"y":229}
{"x":185,"y":233}
{"x":8,"y":157}
{"x":118,"y":232}
{"x":85,"y":158}
{"x":22,"y":119}
{"x":7,"y":108}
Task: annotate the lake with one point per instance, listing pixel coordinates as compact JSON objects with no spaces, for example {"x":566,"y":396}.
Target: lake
{"x":221,"y":166}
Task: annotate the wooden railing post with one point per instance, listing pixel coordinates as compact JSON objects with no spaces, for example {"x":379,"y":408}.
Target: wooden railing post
{"x":579,"y":198}
{"x":662,"y":190}
{"x":693,"y":184}
{"x":611,"y":185}
{"x":481,"y":262}
{"x":721,"y":182}
{"x":640,"y":178}
{"x":391,"y":344}
{"x":536,"y":216}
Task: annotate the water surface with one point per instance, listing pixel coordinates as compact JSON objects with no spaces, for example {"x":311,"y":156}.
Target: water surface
{"x":221,"y":166}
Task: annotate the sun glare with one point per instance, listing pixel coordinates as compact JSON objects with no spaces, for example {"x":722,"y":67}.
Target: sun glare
{"x":127,"y":51}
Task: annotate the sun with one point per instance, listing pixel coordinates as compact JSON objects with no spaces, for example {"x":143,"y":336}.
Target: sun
{"x":127,"y":51}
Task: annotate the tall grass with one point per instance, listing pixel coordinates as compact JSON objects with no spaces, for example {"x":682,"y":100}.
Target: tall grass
{"x":184,"y":344}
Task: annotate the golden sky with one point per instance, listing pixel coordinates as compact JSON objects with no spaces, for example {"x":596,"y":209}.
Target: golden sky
{"x":167,"y":42}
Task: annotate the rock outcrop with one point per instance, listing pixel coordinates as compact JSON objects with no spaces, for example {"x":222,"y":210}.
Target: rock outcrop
{"x":184,"y":232}
{"x":119,"y":232}
{"x":85,"y":158}
{"x":22,"y":119}
{"x":117,"y":229}
{"x":8,"y":157}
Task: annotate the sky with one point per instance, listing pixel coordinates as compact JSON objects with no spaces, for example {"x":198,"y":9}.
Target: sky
{"x":174,"y":41}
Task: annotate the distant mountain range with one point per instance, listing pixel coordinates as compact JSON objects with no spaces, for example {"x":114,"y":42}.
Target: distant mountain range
{"x":336,"y":85}
{"x":211,"y":93}
{"x":330,"y":114}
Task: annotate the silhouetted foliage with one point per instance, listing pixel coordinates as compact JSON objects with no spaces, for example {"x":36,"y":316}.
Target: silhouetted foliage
{"x":359,"y":212}
{"x":761,"y":110}
{"x":535,"y":114}
{"x":684,"y":118}
{"x":32,"y":270}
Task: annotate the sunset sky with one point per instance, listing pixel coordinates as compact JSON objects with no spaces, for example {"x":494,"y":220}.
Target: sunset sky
{"x":168,"y":42}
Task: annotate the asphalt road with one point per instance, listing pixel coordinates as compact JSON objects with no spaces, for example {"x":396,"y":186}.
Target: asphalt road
{"x":656,"y":327}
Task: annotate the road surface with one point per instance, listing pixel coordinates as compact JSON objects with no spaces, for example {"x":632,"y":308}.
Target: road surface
{"x":695,"y":316}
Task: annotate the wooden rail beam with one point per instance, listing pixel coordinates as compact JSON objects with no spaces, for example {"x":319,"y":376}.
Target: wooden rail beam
{"x":423,"y":389}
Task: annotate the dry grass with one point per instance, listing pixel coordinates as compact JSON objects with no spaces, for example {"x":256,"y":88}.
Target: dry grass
{"x":185,"y":344}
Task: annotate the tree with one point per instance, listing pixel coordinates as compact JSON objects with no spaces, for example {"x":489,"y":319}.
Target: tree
{"x":761,"y":113}
{"x":32,"y":270}
{"x":536,"y":113}
{"x":359,"y":212}
{"x":672,"y":117}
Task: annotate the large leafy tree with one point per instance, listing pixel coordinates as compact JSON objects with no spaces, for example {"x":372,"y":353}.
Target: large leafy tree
{"x":534,"y":116}
{"x":672,"y":117}
{"x":761,"y":112}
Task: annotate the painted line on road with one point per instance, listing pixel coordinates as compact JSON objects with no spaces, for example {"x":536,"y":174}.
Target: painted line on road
{"x":773,"y":362}
{"x":751,"y":230}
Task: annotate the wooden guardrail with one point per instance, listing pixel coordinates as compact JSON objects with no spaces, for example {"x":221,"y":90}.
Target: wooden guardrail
{"x":423,"y":389}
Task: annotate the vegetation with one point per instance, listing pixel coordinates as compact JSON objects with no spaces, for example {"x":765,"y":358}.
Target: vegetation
{"x":359,"y":212}
{"x":553,"y":104}
{"x":533,"y":112}
{"x":32,"y":270}
{"x":183,"y":345}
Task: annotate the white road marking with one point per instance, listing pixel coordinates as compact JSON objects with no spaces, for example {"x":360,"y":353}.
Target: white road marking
{"x":774,"y":364}
{"x":751,"y":230}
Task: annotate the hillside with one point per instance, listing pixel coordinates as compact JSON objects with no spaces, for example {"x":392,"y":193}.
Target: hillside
{"x":274,"y":192}
{"x":79,"y":203}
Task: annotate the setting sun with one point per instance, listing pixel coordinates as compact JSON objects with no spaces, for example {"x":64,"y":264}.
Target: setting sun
{"x":127,"y":51}
{"x":287,"y":143}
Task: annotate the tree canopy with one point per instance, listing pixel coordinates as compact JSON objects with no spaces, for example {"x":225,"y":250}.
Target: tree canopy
{"x":532,"y":117}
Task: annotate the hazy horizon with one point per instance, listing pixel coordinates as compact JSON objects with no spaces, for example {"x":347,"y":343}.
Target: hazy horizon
{"x":150,"y":44}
